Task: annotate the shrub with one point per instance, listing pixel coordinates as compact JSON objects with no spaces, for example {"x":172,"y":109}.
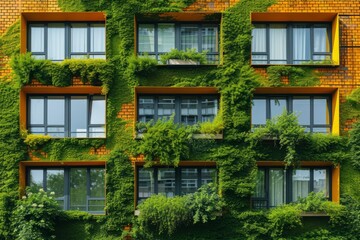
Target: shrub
{"x":205,"y":204}
{"x":254,"y":224}
{"x":160,"y":215}
{"x":36,"y":141}
{"x":34,"y":216}
{"x":189,"y":54}
{"x":354,"y":141}
{"x":142,"y":65}
{"x":283,"y":219}
{"x":214,"y":127}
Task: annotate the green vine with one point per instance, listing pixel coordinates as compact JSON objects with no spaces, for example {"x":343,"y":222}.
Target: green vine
{"x":298,"y":76}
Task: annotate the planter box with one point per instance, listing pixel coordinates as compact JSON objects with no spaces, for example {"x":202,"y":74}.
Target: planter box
{"x":182,"y":62}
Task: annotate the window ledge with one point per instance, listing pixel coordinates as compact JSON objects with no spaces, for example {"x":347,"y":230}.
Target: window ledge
{"x":296,"y":65}
{"x":218,"y":136}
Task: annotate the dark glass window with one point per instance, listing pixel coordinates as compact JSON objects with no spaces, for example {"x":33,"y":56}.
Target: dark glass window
{"x":188,"y":109}
{"x":295,"y":43}
{"x":67,"y":116}
{"x":159,"y":38}
{"x":313,"y":112}
{"x":57,"y":41}
{"x":277,"y":186}
{"x":81,"y":188}
{"x":172,"y":181}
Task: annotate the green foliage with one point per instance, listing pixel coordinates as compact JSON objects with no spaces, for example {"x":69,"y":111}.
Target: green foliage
{"x":284,"y":219}
{"x":142,"y":65}
{"x":214,"y":127}
{"x":354,"y":141}
{"x":205,"y":204}
{"x":166,"y":142}
{"x":36,"y":141}
{"x":34,"y":216}
{"x":317,"y":202}
{"x":7,"y":204}
{"x":161,"y":216}
{"x":189,"y":54}
{"x":254,"y":224}
{"x":10,"y":41}
{"x":119,"y":193}
{"x":298,"y":76}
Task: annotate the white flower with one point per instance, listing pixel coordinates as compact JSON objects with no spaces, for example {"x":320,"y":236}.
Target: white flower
{"x":53,"y":236}
{"x":23,"y":197}
{"x":34,"y":205}
{"x":41,"y":190}
{"x":29,"y":194}
{"x":52,"y":193}
{"x":41,"y":205}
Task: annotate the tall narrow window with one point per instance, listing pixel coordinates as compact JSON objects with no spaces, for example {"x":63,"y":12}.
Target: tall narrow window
{"x":166,"y":181}
{"x":189,"y":37}
{"x":277,"y":186}
{"x":56,"y":41}
{"x":166,"y":37}
{"x":277,"y":43}
{"x":301,"y":44}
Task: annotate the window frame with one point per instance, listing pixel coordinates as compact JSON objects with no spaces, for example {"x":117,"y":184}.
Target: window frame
{"x":289,"y":107}
{"x":289,"y":42}
{"x":178,"y":98}
{"x":177,"y":44}
{"x":66,"y":195}
{"x":289,"y":185}
{"x":67,"y":39}
{"x":177,"y":178}
{"x":67,"y":114}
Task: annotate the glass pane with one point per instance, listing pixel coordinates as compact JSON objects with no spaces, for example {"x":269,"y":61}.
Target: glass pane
{"x":189,"y":37}
{"x":55,"y":182}
{"x":209,"y":108}
{"x":97,"y":56}
{"x":38,"y":57}
{"x":189,"y":180}
{"x":258,"y":112}
{"x":208,"y":175}
{"x":78,"y":191}
{"x":189,"y":111}
{"x":97,"y":37}
{"x":259,"y":59}
{"x":96,"y":205}
{"x":56,"y":131}
{"x":301,"y":107}
{"x":56,"y":41}
{"x":321,"y":57}
{"x":36,"y":180}
{"x":301,"y":44}
{"x":146,"y":108}
{"x":79,"y":56}
{"x":166,"y":37}
{"x":300,"y":183}
{"x":37,"y":130}
{"x":321,"y":181}
{"x":97,"y":132}
{"x":260,"y":184}
{"x":277,"y":43}
{"x":321,"y":40}
{"x":166,"y":107}
{"x":321,"y":130}
{"x":146,"y":182}
{"x":258,"y":43}
{"x":79,"y":37}
{"x":210,"y":39}
{"x":37,"y":38}
{"x":56,"y":111}
{"x":146,"y":38}
{"x":97,"y":114}
{"x":321,"y":111}
{"x":78,"y":116}
{"x":277,"y":107}
{"x":97,"y":182}
{"x":166,"y":181}
{"x":277,"y":187}
{"x":36,"y":111}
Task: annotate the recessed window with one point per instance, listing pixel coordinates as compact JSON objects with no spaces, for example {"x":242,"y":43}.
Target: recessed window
{"x":277,"y":186}
{"x":75,"y":116}
{"x":188,"y":109}
{"x":75,"y":188}
{"x":172,"y":181}
{"x":313,"y":112}
{"x":295,"y":43}
{"x":58,"y":41}
{"x":159,"y":38}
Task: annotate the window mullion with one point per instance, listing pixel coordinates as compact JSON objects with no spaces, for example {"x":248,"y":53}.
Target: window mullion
{"x":44,"y":179}
{"x":289,"y":43}
{"x":67,"y":188}
{"x":199,"y":107}
{"x":177,"y":109}
{"x":46,"y":40}
{"x":87,"y":188}
{"x":311,"y":113}
{"x":156,"y":42}
{"x":88,"y":113}
{"x":311,"y":183}
{"x":156,"y":109}
{"x":155,"y":180}
{"x":199,"y":38}
{"x":45,"y":114}
{"x":88,"y":40}
{"x":312,"y":42}
{"x":67,"y":40}
{"x":67,"y":116}
{"x":268,"y":43}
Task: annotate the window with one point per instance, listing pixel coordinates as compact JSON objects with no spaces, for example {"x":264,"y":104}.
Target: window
{"x":172,"y":181}
{"x":277,"y":186}
{"x":159,"y":38}
{"x":314,"y":111}
{"x":295,"y":43}
{"x":188,"y":109}
{"x":75,"y":188}
{"x":76,"y":116}
{"x":58,"y":41}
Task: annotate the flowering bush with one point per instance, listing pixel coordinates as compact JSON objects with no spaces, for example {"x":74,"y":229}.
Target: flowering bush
{"x":34,"y":216}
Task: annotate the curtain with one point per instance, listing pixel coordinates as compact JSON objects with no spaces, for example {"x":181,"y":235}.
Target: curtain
{"x":97,"y":111}
{"x":166,"y":37}
{"x":146,"y":38}
{"x":97,"y":38}
{"x":321,"y":41}
{"x":300,"y":183}
{"x":56,"y":41}
{"x":37,"y":38}
{"x":209,"y":39}
{"x":260,"y":184}
{"x":301,"y":44}
{"x":277,"y":185}
{"x":258,"y":43}
{"x":189,"y":37}
{"x":277,"y":43}
{"x":321,"y":181}
{"x":79,"y":38}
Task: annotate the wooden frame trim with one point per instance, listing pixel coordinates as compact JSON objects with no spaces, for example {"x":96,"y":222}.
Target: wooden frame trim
{"x":176,"y":90}
{"x":194,"y":16}
{"x":292,"y":17}
{"x":24,"y":164}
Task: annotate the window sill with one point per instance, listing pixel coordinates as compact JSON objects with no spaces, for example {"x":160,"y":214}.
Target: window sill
{"x":187,"y":65}
{"x":296,"y":65}
{"x":218,"y":136}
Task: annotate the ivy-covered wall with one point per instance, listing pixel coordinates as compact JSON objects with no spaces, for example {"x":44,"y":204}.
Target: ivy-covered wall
{"x":236,"y":154}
